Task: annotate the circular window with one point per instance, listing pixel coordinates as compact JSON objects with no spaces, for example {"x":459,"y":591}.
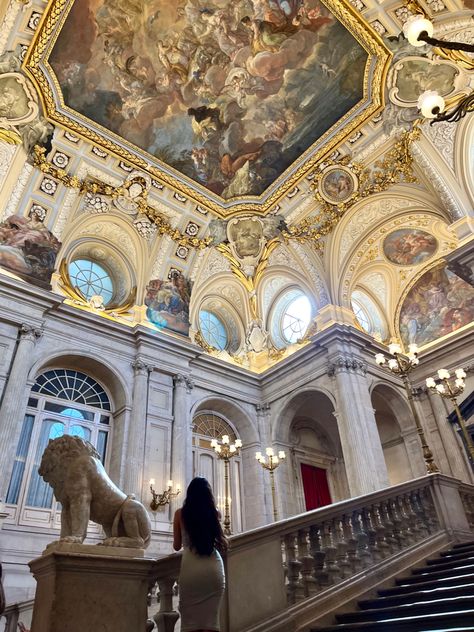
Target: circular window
{"x":91,"y":279}
{"x":213,"y":330}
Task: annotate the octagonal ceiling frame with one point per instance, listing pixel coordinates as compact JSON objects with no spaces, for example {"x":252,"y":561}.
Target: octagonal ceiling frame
{"x":37,"y":67}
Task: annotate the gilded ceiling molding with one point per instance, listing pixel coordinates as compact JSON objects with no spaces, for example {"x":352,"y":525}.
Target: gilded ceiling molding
{"x":38,"y":67}
{"x":96,"y":187}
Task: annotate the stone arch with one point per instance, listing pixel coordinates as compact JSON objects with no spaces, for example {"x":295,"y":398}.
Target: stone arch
{"x":312,"y":440}
{"x":232,"y":412}
{"x":396,"y":431}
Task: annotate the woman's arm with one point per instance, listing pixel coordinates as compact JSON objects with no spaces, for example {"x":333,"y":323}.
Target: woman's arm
{"x":177,"y":536}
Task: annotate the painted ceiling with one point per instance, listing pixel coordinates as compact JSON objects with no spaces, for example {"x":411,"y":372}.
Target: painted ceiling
{"x":229,"y":102}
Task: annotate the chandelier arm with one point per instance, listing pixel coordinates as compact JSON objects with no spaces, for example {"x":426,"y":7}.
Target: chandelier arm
{"x":424,"y":37}
{"x":464,"y":106}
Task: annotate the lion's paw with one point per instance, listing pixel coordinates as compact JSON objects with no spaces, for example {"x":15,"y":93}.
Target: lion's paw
{"x":71,"y":539}
{"x":111,"y":542}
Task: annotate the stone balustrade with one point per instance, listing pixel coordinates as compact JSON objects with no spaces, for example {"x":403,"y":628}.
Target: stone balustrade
{"x":293,"y":566}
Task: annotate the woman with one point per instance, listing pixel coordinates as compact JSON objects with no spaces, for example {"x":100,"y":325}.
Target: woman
{"x":196,"y":528}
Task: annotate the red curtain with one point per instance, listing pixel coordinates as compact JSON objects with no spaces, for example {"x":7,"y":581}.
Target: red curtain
{"x":315,"y":485}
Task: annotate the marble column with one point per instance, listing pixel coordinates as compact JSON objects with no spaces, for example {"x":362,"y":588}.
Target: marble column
{"x":135,"y":452}
{"x":360,"y":440}
{"x":15,"y":399}
{"x":182,"y":436}
{"x":260,"y":502}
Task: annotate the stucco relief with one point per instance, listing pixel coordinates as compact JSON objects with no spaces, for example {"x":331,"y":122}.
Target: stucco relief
{"x":367,"y":216}
{"x":315,"y":275}
{"x":377,"y":283}
{"x":17,"y":192}
{"x":6,"y":156}
{"x":272,"y":287}
{"x":110,"y":232}
{"x":215,"y":264}
{"x":442,"y":136}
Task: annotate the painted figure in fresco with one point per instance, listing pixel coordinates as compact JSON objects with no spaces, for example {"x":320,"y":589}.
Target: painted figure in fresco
{"x":168,"y":303}
{"x":227,"y":92}
{"x":438,"y":304}
{"x":27,"y":247}
{"x":409,"y":246}
{"x":246,"y":236}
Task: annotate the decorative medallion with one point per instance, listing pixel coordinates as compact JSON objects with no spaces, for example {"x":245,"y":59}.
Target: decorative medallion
{"x":409,"y":246}
{"x":220,"y":100}
{"x":338,"y":184}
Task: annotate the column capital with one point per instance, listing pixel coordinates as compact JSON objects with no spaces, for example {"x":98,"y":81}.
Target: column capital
{"x":184,"y":381}
{"x":262,"y":408}
{"x":346,"y":364}
{"x":28,"y":332}
{"x":141,"y":367}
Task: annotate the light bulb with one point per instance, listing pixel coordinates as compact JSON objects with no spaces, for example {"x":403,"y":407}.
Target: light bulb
{"x":269,"y":451}
{"x":392,"y":364}
{"x":152,"y":482}
{"x":225,"y":439}
{"x":459,"y":382}
{"x":460,"y":373}
{"x":281,"y":454}
{"x":169,"y":484}
{"x":232,"y":449}
{"x":214,"y":443}
{"x":394,"y":348}
{"x":430,"y":103}
{"x":414,"y":27}
{"x":238,"y":443}
{"x":258,"y":455}
{"x":218,"y":449}
{"x":443,"y":374}
{"x":430,"y":383}
{"x":440,"y":388}
{"x":380,"y":358}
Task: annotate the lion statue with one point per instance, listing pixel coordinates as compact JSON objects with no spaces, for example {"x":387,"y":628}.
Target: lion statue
{"x":73,"y":468}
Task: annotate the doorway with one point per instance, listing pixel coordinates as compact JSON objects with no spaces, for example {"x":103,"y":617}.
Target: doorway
{"x":315,"y":487}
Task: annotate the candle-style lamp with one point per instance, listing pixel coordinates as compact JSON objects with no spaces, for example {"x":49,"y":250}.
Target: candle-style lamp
{"x":226,"y":451}
{"x":270,"y":463}
{"x":160,"y":500}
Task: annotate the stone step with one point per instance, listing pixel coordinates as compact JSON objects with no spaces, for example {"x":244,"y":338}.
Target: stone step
{"x":427,"y":585}
{"x":457,"y":553}
{"x":458,"y":622}
{"x":440,"y":565}
{"x":417,"y":596}
{"x":452,"y":572}
{"x":439,"y":606}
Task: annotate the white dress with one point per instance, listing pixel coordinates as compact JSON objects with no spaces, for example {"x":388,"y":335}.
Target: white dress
{"x":201,"y":586}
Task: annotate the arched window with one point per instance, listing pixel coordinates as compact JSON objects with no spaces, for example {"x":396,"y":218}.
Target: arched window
{"x":208,"y":426}
{"x":213,"y":330}
{"x":91,"y":279}
{"x":62,"y":401}
{"x":290,"y":317}
{"x":368,"y":314}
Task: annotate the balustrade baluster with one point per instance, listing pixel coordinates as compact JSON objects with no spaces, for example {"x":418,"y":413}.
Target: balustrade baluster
{"x":166,"y":617}
{"x":368,"y":526}
{"x":429,"y":511}
{"x":380,"y":531}
{"x":396,"y":521}
{"x":406,"y":534}
{"x":330,"y":550}
{"x":342,"y":530}
{"x":409,"y":504}
{"x":306,"y":560}
{"x":318,"y":555}
{"x":362,"y":539}
{"x":417,"y":504}
{"x":293,"y":566}
{"x":351,"y":541}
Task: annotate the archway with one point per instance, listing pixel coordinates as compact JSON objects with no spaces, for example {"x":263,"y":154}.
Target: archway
{"x":393,"y":422}
{"x":307,"y":424}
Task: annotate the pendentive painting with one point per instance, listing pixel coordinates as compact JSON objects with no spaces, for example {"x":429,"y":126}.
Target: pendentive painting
{"x":168,"y":303}
{"x":28,"y":249}
{"x":438,"y":304}
{"x":227,"y":92}
{"x":409,"y":246}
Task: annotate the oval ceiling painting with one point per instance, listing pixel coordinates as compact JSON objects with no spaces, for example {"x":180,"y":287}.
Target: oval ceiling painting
{"x":409,"y":246}
{"x":226,"y":97}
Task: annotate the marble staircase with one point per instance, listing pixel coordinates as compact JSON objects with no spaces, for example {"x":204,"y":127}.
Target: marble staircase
{"x":436,"y":596}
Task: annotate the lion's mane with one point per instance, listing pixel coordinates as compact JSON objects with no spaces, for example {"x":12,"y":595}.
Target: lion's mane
{"x":63,"y":449}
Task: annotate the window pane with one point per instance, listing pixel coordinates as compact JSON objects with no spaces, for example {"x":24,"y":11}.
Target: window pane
{"x":296,"y":318}
{"x":212,"y":330}
{"x":102,"y":444}
{"x":40,"y":493}
{"x":20,"y":460}
{"x":80,"y":431}
{"x":91,"y":278}
{"x":68,"y":411}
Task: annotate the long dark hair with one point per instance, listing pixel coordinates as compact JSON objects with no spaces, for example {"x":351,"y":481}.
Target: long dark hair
{"x":201,"y":519}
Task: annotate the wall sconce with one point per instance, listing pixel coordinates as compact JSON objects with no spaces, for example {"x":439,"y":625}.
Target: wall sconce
{"x":160,"y":500}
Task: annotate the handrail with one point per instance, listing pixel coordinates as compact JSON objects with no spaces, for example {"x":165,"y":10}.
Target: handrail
{"x":299,"y":558}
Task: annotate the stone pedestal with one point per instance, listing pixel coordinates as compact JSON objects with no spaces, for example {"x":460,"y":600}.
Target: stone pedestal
{"x":84,"y":587}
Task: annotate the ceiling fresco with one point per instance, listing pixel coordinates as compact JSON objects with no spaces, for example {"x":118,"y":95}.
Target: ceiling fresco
{"x":229,"y":100}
